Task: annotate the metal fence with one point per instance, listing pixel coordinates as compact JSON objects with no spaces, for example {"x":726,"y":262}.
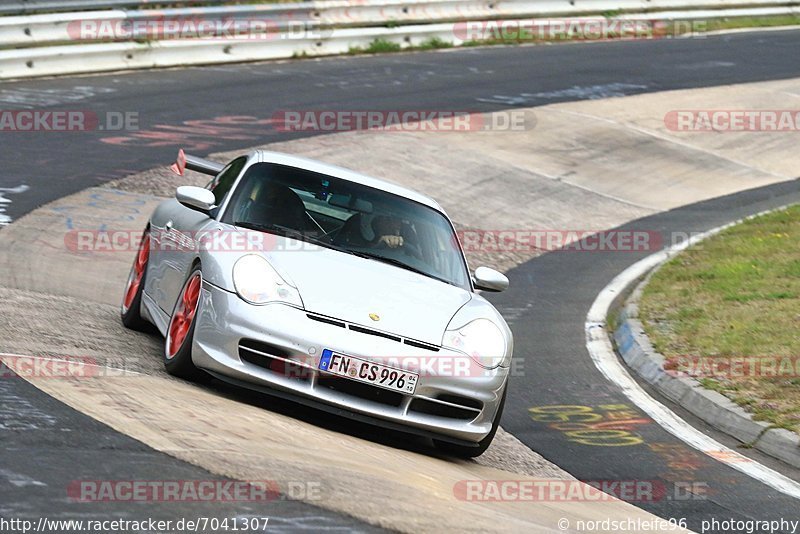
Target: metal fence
{"x":76,"y":41}
{"x":25,"y":7}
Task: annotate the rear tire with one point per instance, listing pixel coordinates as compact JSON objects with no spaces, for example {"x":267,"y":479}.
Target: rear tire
{"x":463,"y":451}
{"x":130,"y":311}
{"x":180,"y":332}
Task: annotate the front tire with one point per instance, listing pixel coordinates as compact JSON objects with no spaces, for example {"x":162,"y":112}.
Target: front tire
{"x":463,"y":451}
{"x":180,"y":332}
{"x":130,"y":311}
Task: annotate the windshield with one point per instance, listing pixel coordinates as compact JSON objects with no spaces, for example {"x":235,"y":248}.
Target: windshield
{"x":350,"y":217}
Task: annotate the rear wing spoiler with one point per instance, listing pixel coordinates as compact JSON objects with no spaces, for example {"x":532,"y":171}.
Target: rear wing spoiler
{"x":193,"y":163}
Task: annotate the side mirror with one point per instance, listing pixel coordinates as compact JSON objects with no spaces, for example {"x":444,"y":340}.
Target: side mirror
{"x":195,"y":198}
{"x":490,"y":280}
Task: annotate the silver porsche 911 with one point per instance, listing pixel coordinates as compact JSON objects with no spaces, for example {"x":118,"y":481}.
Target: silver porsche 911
{"x":341,"y":291}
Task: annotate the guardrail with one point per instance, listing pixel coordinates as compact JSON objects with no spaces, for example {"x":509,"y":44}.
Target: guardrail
{"x":94,"y":41}
{"x":24,"y":7}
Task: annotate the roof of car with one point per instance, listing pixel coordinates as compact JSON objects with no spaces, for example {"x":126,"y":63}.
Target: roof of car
{"x":280,"y":158}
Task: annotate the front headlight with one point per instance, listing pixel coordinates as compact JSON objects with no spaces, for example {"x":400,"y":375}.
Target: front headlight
{"x":481,"y":339}
{"x":257,"y":282}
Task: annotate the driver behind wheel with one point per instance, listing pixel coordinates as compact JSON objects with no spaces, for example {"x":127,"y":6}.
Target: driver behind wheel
{"x":388,"y":230}
{"x":397,"y":234}
{"x":379,"y":231}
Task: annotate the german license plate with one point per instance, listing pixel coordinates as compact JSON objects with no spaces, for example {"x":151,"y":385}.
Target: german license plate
{"x":368,"y":372}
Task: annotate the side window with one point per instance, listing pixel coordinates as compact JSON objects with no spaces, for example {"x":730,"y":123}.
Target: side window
{"x":223,"y":182}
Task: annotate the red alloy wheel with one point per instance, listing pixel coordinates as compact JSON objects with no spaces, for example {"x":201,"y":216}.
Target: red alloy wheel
{"x":184,"y":315}
{"x":137,"y":272}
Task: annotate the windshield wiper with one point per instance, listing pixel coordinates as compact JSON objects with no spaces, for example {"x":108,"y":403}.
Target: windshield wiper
{"x":286,"y":232}
{"x":396,"y":263}
{"x":271,"y":228}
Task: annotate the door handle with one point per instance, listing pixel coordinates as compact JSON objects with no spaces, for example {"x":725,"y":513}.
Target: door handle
{"x":168,"y":226}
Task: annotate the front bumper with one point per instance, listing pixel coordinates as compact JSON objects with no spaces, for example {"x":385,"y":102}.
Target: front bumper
{"x":277,"y":347}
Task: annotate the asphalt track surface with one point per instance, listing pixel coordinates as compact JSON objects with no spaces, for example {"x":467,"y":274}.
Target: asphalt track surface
{"x":48,"y":447}
{"x":56,"y":164}
{"x":551,"y":293}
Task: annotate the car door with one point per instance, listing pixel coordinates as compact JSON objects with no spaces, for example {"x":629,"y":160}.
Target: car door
{"x":184,"y":227}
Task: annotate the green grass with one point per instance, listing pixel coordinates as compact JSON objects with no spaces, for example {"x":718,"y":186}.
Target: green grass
{"x":378,"y":46}
{"x":735,"y":295}
{"x":752,"y":22}
{"x":434,"y":43}
{"x":382,"y":46}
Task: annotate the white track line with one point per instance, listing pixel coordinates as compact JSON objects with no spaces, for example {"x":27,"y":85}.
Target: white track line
{"x":4,"y":202}
{"x":605,"y":358}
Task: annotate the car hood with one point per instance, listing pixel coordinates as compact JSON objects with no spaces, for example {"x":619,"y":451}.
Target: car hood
{"x":350,"y":288}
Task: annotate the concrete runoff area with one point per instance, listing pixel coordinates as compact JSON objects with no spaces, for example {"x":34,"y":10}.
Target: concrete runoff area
{"x":583,"y":166}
